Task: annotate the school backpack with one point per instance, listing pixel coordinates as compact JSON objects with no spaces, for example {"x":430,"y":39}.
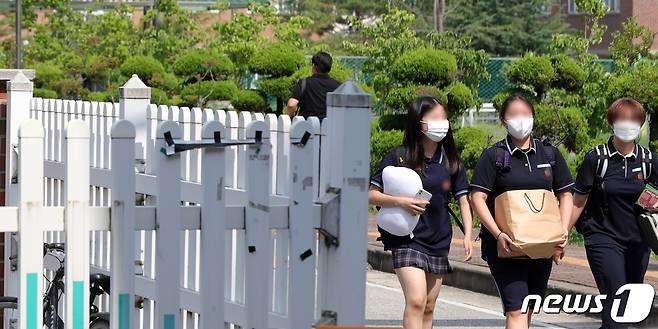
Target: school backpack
{"x":502,"y":154}
{"x":647,"y":221}
{"x":400,"y":155}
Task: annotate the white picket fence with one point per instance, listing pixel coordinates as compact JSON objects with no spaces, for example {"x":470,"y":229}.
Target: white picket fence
{"x":232,"y":222}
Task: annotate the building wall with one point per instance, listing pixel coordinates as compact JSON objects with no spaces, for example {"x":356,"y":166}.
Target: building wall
{"x":613,"y":20}
{"x":646,"y":12}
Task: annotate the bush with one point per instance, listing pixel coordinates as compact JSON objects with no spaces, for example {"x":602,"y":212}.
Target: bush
{"x":45,"y":93}
{"x":278,"y":87}
{"x":400,"y":98}
{"x":639,"y":84}
{"x":563,"y":125}
{"x":460,"y":98}
{"x":203,"y":64}
{"x":46,"y":73}
{"x":426,"y":66}
{"x":98,"y":96}
{"x":277,"y":60}
{"x":532,"y":71}
{"x":393,"y":121}
{"x":470,"y":142}
{"x":158,"y":96}
{"x":144,"y":66}
{"x":198,"y":93}
{"x":381,"y":142}
{"x":568,"y":73}
{"x":165,"y":81}
{"x":249,"y":100}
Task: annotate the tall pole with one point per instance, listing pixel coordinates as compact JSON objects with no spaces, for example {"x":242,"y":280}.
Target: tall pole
{"x":19,"y":42}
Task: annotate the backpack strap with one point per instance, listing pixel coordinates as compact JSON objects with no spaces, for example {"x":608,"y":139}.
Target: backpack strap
{"x":303,"y":83}
{"x":502,"y":157}
{"x":549,"y":151}
{"x":400,"y":155}
{"x":647,"y":166}
{"x":602,"y":157}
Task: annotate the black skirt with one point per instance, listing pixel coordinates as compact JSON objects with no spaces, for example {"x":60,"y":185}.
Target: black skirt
{"x":403,"y":257}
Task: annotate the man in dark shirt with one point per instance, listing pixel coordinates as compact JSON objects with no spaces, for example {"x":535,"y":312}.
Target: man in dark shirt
{"x":311,"y":93}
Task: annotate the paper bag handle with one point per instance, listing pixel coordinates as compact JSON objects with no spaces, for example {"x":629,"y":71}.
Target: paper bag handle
{"x":532,"y":206}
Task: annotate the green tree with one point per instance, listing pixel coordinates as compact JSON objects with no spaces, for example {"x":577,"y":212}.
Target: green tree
{"x":505,"y":28}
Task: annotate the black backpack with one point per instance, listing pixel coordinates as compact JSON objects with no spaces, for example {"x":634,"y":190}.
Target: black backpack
{"x":602,"y":158}
{"x":502,"y":160}
{"x":400,"y":154}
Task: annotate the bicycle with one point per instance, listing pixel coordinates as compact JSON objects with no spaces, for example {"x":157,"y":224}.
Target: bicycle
{"x":99,"y":284}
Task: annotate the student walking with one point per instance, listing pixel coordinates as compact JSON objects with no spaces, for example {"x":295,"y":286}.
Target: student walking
{"x":310,"y":94}
{"x":608,"y":184}
{"x":421,"y":259}
{"x":518,"y":162}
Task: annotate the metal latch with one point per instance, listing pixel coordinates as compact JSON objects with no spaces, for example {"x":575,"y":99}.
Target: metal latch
{"x":329,"y":218}
{"x":178,"y":145}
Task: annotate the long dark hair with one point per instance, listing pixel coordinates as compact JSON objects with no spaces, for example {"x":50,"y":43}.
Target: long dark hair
{"x":509,"y":100}
{"x":413,"y":136}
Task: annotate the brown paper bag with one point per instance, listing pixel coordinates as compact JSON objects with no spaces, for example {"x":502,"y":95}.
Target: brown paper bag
{"x":532,"y":220}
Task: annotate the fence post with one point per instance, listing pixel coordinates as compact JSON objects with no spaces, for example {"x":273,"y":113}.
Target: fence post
{"x":123,"y":225}
{"x":348,"y":109}
{"x":76,"y":224}
{"x":30,"y":257}
{"x":213,"y":227}
{"x":19,"y":96}
{"x":302,"y":231}
{"x":168,"y":214}
{"x":134,"y":101}
{"x":257,"y":227}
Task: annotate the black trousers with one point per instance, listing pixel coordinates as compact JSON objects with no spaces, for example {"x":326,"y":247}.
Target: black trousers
{"x":614,"y":265}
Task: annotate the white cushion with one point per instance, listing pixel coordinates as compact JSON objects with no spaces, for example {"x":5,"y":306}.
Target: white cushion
{"x":399,"y":181}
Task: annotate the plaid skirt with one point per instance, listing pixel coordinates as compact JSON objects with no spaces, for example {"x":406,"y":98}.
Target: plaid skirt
{"x":411,"y":257}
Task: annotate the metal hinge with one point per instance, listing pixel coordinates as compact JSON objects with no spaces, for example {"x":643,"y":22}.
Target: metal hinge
{"x":329,"y":218}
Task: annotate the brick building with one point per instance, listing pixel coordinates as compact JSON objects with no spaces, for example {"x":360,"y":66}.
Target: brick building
{"x":645,"y":11}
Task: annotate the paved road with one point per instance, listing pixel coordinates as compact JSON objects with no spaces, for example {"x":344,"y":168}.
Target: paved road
{"x":456,"y":308}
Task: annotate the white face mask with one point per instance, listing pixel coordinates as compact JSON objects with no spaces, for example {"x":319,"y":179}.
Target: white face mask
{"x":520,"y":127}
{"x":436,"y":129}
{"x":626,"y":130}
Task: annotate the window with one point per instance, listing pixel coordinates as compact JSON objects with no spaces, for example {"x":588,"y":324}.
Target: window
{"x":613,"y":6}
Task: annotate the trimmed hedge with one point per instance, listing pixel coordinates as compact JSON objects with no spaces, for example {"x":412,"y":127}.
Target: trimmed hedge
{"x":568,"y":73}
{"x":249,"y":100}
{"x":277,"y":60}
{"x":198,"y":93}
{"x":426,"y":66}
{"x":533,"y":71}
{"x":203,"y":64}
{"x":471,"y":141}
{"x":45,"y":93}
{"x":460,"y":98}
{"x":144,"y":66}
{"x":382,"y":141}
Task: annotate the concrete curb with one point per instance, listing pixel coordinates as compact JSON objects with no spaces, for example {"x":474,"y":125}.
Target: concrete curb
{"x":478,"y":279}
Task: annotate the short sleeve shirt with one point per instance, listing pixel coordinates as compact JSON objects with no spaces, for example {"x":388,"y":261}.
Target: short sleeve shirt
{"x":433,"y":233}
{"x":528,"y":170}
{"x":313,"y":99}
{"x":610,"y":215}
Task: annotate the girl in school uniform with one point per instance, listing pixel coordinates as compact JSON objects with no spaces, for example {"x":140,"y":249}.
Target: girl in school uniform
{"x":518,"y":162}
{"x":420,"y":260}
{"x":608,"y":184}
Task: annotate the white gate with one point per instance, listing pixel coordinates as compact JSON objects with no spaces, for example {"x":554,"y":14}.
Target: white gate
{"x":200,"y":217}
